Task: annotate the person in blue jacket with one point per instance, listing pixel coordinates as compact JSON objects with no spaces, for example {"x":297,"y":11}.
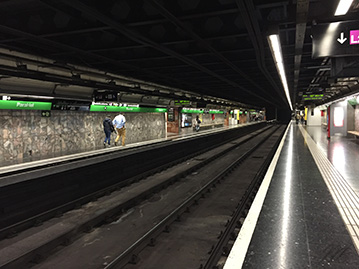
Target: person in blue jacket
{"x":108,"y":129}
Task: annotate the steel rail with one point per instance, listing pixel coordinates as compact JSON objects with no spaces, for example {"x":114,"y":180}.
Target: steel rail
{"x":221,"y":249}
{"x":110,"y":213}
{"x":131,"y":254}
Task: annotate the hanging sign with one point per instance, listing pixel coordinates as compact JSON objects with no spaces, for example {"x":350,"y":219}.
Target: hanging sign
{"x":335,"y":39}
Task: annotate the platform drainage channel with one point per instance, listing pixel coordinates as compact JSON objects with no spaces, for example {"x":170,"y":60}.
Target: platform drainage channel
{"x":344,"y":196}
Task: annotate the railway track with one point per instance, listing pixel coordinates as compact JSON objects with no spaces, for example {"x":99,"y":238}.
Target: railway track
{"x":89,"y":176}
{"x":120,"y":204}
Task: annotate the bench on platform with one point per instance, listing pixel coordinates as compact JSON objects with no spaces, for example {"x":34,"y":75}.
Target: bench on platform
{"x":356,"y":133}
{"x":325,"y":125}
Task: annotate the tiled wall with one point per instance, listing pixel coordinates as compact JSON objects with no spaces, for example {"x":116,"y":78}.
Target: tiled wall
{"x":24,"y":133}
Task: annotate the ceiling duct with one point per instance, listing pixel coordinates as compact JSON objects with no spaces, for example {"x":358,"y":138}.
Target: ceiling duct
{"x":131,"y":98}
{"x":26,"y":86}
{"x":153,"y":100}
{"x":74,"y":91}
{"x":165,"y":102}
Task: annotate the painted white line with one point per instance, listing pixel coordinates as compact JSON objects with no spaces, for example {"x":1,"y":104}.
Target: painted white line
{"x":343,"y":195}
{"x":239,"y":250}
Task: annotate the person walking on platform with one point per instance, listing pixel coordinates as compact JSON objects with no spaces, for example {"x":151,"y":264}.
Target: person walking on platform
{"x":198,"y":121}
{"x":108,"y":129}
{"x":119,"y":123}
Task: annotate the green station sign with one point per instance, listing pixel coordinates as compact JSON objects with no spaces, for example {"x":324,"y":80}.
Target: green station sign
{"x":201,"y":111}
{"x":102,"y":108}
{"x":309,"y":97}
{"x":192,"y":110}
{"x":215,"y":112}
{"x":24,"y":105}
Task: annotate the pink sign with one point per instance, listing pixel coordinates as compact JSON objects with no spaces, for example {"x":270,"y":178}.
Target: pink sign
{"x":354,"y":37}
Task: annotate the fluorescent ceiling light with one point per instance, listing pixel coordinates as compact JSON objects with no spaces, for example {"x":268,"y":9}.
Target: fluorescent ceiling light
{"x":343,"y":7}
{"x":29,"y":96}
{"x":278,"y":59}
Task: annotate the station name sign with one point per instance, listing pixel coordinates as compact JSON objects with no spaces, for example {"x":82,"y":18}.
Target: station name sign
{"x":201,"y":111}
{"x":102,"y":108}
{"x":335,"y":39}
{"x":24,"y":105}
{"x":309,"y":97}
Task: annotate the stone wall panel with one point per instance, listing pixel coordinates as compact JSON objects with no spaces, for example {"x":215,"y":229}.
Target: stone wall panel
{"x":25,"y":134}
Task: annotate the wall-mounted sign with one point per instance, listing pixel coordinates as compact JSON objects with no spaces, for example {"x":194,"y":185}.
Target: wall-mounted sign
{"x":99,"y":108}
{"x":191,"y":110}
{"x":338,"y":116}
{"x":186,"y":120}
{"x":105,"y":96}
{"x":171,"y":114}
{"x":201,"y":111}
{"x":24,"y":105}
{"x":46,"y":113}
{"x":215,"y":111}
{"x":309,"y":97}
{"x":182,"y":102}
{"x":335,"y":39}
{"x":354,"y":37}
{"x":73,"y":107}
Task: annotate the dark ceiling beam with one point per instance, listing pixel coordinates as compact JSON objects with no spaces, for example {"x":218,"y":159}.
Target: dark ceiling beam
{"x":187,"y":55}
{"x":131,"y":24}
{"x":247,"y":12}
{"x":301,"y":19}
{"x":95,"y":56}
{"x":187,"y":17}
{"x":168,"y":43}
{"x":76,"y":32}
{"x":183,"y":42}
{"x":135,"y":36}
{"x":207,"y":46}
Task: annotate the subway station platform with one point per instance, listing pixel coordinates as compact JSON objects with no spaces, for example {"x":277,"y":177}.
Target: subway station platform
{"x":306,"y":213}
{"x":33,"y":161}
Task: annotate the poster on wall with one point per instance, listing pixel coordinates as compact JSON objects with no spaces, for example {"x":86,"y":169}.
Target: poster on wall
{"x":338,"y":117}
{"x":186,"y":120}
{"x":171,"y":114}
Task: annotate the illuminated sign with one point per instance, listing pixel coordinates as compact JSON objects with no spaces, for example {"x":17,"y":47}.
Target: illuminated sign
{"x":24,"y":105}
{"x":354,"y":37}
{"x":191,"y":110}
{"x":201,"y":111}
{"x":335,"y":39}
{"x":338,"y":117}
{"x":182,"y":102}
{"x":308,"y":97}
{"x":98,"y":108}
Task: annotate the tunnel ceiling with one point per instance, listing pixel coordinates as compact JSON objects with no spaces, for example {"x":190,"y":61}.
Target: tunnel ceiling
{"x":215,"y":48}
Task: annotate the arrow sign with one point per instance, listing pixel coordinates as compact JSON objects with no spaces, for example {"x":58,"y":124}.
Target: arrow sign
{"x":342,"y":39}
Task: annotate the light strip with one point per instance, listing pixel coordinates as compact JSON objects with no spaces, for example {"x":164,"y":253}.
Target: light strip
{"x":9,"y":96}
{"x":343,"y":7}
{"x":278,"y":59}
